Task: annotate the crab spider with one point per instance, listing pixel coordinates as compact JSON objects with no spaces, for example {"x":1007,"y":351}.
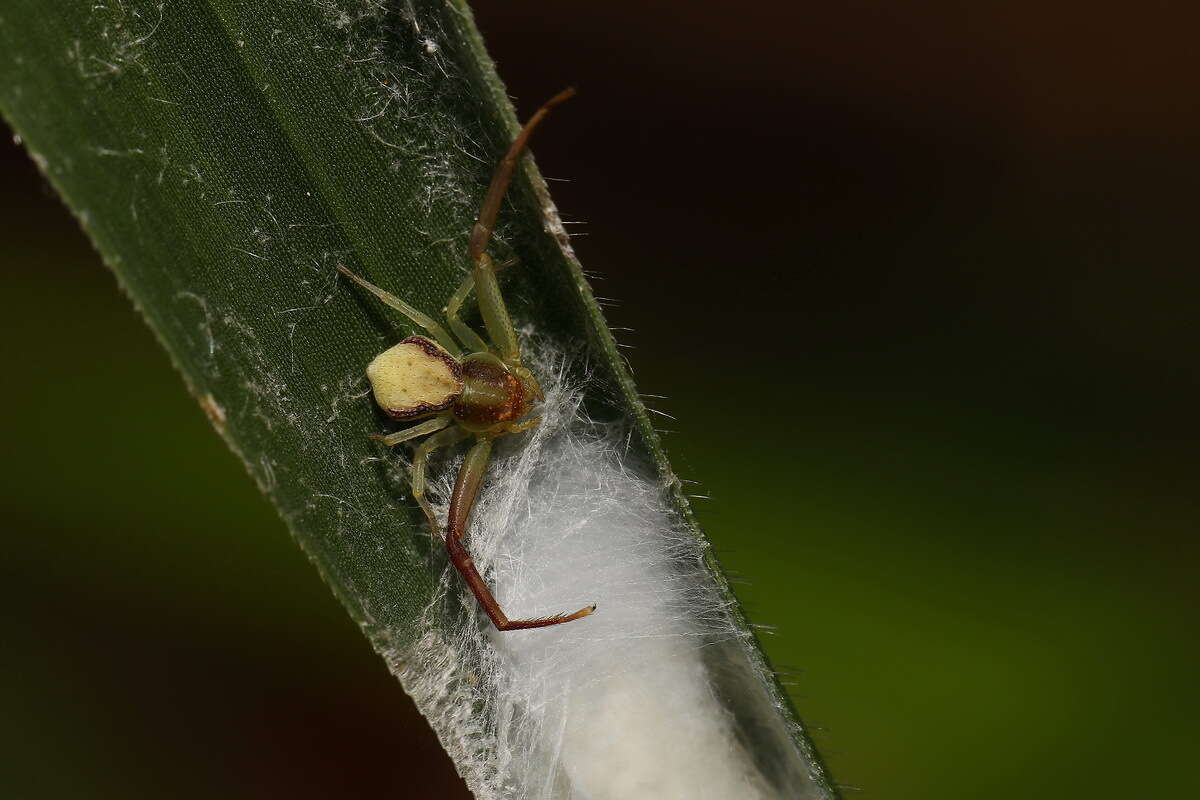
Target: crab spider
{"x":484,"y":392}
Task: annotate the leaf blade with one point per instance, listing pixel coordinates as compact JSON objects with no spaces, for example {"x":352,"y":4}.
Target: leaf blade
{"x":232,"y":155}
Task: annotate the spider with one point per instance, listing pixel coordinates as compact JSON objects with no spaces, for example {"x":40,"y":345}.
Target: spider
{"x":486,"y":392}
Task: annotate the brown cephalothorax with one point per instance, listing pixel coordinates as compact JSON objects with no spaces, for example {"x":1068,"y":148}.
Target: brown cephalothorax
{"x":486,"y":392}
{"x":492,"y":393}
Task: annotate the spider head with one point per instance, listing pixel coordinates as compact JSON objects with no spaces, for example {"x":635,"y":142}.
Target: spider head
{"x":532,"y":389}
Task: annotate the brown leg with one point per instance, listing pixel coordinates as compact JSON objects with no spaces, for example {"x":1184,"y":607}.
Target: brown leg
{"x":487,"y":288}
{"x":466,"y":489}
{"x":482,"y":232}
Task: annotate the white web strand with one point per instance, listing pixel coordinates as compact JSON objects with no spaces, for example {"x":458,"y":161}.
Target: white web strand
{"x":621,"y":704}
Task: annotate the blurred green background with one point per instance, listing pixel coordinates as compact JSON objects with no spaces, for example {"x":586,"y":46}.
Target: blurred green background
{"x":919,"y":284}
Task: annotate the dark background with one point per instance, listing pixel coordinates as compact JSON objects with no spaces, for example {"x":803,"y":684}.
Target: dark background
{"x":919,"y":283}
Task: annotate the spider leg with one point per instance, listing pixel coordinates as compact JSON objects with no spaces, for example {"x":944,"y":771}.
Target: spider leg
{"x":423,"y":320}
{"x":482,"y":232}
{"x":466,"y":489}
{"x":493,"y":310}
{"x":429,"y":426}
{"x":420,"y":457}
{"x":491,"y":304}
{"x":526,"y":425}
{"x":472,"y":340}
{"x":465,"y":333}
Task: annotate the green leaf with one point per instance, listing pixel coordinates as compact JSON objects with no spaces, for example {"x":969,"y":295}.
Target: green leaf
{"x":224,"y":157}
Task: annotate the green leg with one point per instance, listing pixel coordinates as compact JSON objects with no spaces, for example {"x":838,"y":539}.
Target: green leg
{"x":437,"y":331}
{"x":430,"y":426}
{"x":492,"y":308}
{"x":472,"y":340}
{"x":420,"y":457}
{"x":466,"y":488}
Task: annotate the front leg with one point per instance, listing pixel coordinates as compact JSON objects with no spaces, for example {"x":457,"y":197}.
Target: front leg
{"x":466,"y":489}
{"x":492,"y":309}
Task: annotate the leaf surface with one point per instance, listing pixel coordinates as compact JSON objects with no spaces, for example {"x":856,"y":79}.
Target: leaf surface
{"x":224,"y":157}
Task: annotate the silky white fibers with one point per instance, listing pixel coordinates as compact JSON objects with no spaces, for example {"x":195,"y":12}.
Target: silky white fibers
{"x":620,"y":704}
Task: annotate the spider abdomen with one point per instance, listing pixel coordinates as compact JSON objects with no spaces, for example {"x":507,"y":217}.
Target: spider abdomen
{"x":414,"y":379}
{"x":491,"y":393}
